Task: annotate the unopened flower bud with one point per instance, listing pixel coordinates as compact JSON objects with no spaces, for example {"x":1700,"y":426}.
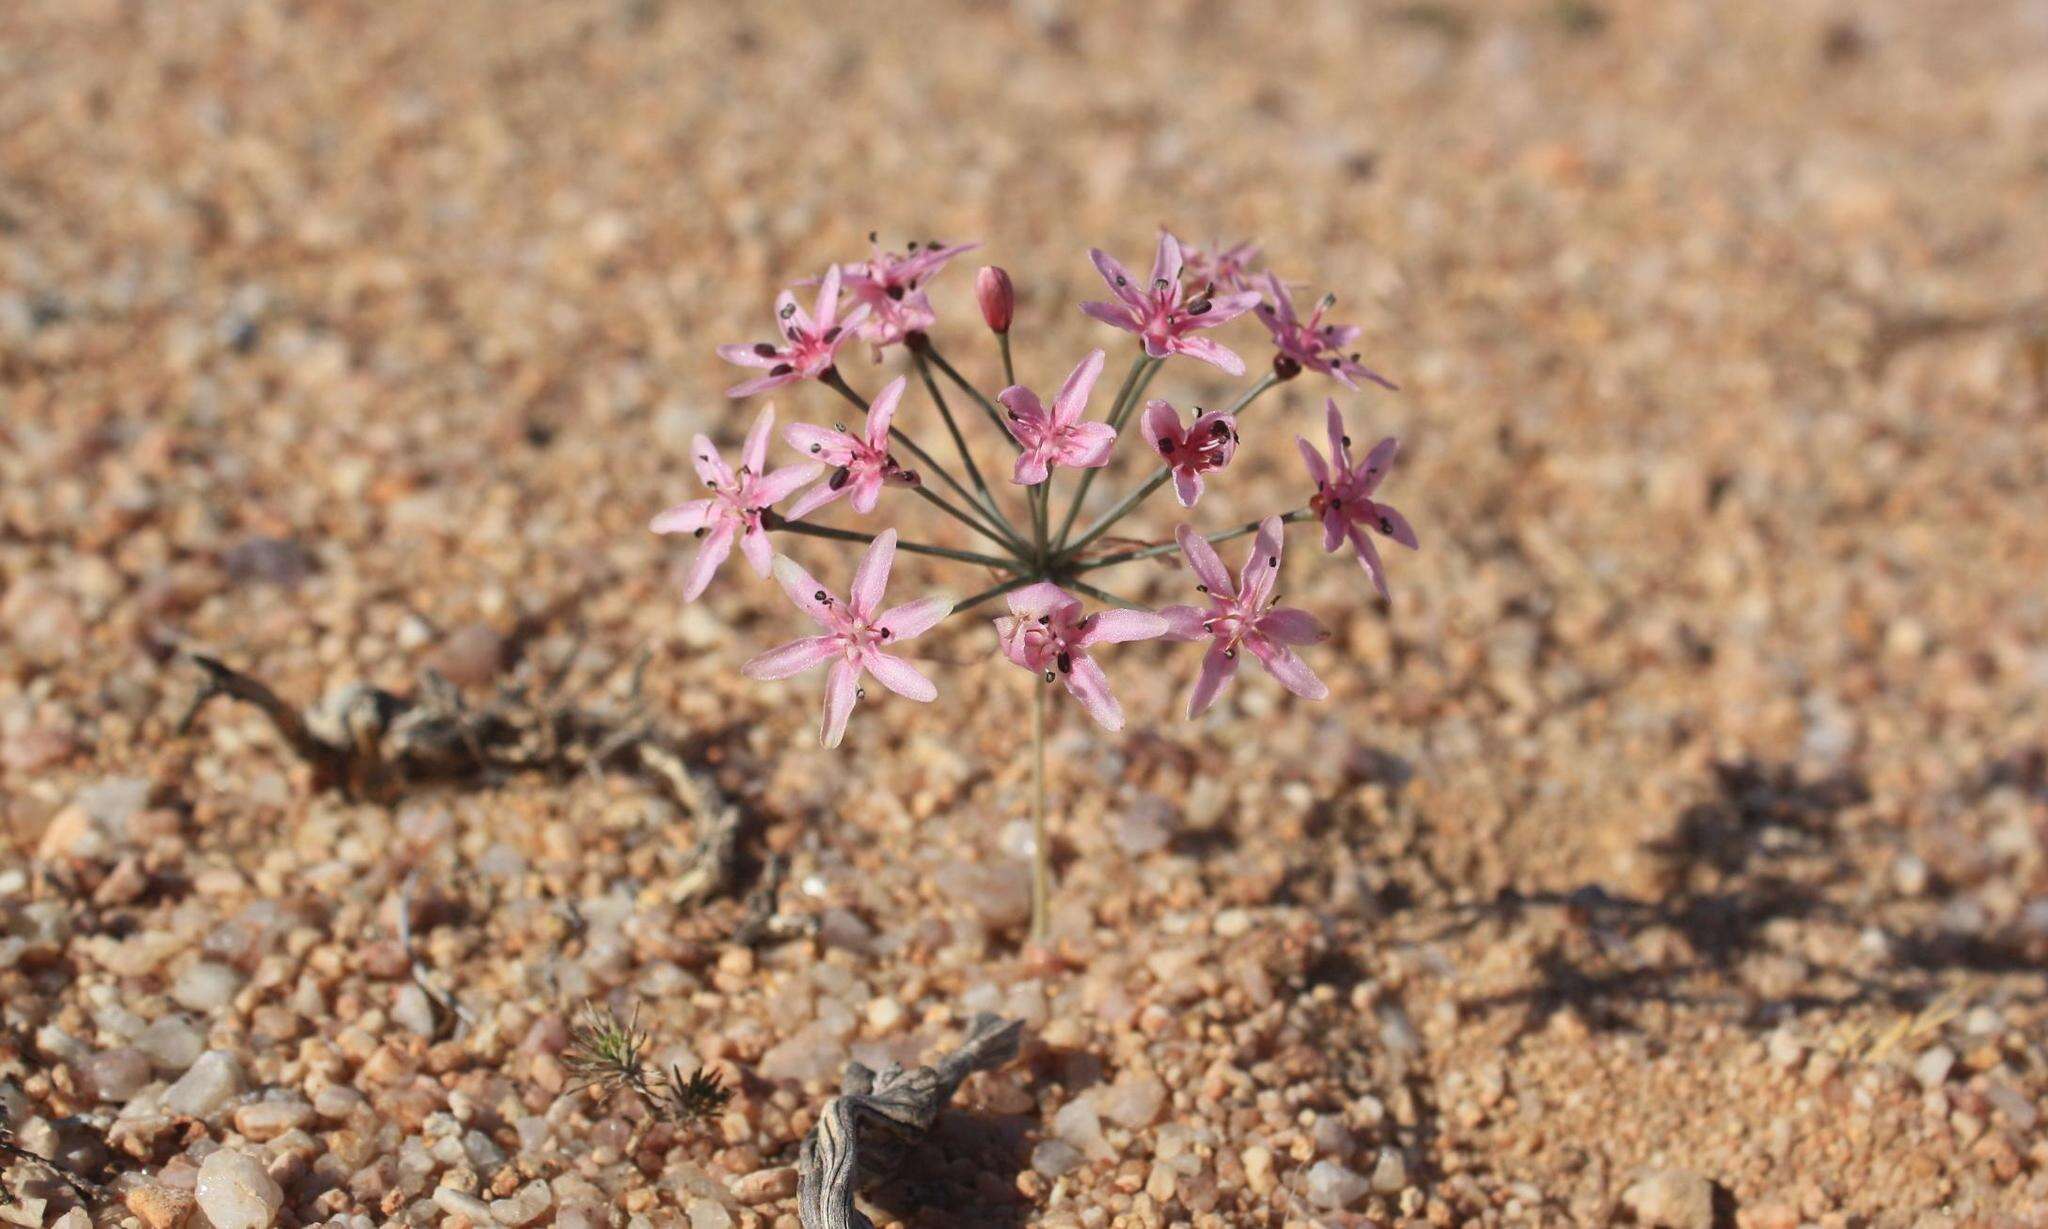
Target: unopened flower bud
{"x":997,"y":297}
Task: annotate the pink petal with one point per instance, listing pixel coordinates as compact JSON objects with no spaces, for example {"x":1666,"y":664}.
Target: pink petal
{"x":1087,"y":445}
{"x":1395,"y":526}
{"x":711,"y":467}
{"x":1162,"y":425}
{"x":1378,"y":462}
{"x":1223,"y":309}
{"x":900,"y":677}
{"x":685,"y":517}
{"x":754,"y":455}
{"x":1026,"y":411}
{"x":1335,"y":529}
{"x":1072,"y":398}
{"x":1187,"y":486}
{"x":881,"y":410}
{"x":1116,"y":315}
{"x":748,"y":356}
{"x":867,"y":490}
{"x":1202,"y":558}
{"x":1217,"y":669}
{"x":1118,"y":277}
{"x":1121,"y":627}
{"x":842,"y":687}
{"x":1282,"y":663}
{"x":711,"y":552}
{"x":1314,"y":460}
{"x":797,"y":318}
{"x":1340,"y":451}
{"x":1262,"y":565}
{"x":1368,"y":557}
{"x":1031,"y":467}
{"x":772,"y":488}
{"x":803,"y":589}
{"x":1290,"y":626}
{"x":1209,"y":352}
{"x":1166,"y":261}
{"x":873,"y":577}
{"x":1186,"y":622}
{"x":914,"y":618}
{"x":754,"y":545}
{"x":793,"y":658}
{"x":827,"y":445}
{"x":1088,"y":684}
{"x":1041,"y":600}
{"x":747,"y":388}
{"x":1283,"y":302}
{"x":828,"y":300}
{"x":814,"y":499}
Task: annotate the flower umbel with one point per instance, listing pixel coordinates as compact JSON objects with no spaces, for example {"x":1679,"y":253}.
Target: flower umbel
{"x":810,"y":340}
{"x":891,"y":286}
{"x":861,"y":464}
{"x":1244,"y":617}
{"x":1310,"y":343}
{"x":1057,"y":436}
{"x":1344,"y":497}
{"x":1046,"y":634}
{"x":1230,"y":267}
{"x":1160,"y":315}
{"x":1204,"y":446}
{"x":854,"y":636}
{"x":736,"y":504}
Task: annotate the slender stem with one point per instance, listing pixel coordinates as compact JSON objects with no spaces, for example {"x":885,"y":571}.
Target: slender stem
{"x":774,"y":521}
{"x":1130,"y":405}
{"x":987,"y":407}
{"x":1041,"y":846}
{"x":1009,"y":541}
{"x":1039,"y":518}
{"x":1167,"y":548}
{"x":993,"y":591}
{"x":1009,"y":369}
{"x":987,"y":500}
{"x":1251,"y":394}
{"x":1139,"y":367}
{"x":1104,"y":595}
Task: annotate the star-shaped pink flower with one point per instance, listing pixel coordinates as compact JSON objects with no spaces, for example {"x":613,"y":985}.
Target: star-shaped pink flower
{"x":1310,"y":343}
{"x":891,"y":285}
{"x":1046,"y":634}
{"x":1230,"y":267}
{"x":736,"y":504}
{"x":810,"y":340}
{"x":1344,"y":497}
{"x":861,"y":464}
{"x":1058,"y":436}
{"x":1206,"y":444}
{"x":1158,"y":314}
{"x":855,"y":636}
{"x":1243,"y":617}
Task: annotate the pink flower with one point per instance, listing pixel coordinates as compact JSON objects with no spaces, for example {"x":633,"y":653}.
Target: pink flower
{"x":1206,"y":445}
{"x":997,"y":297}
{"x":1158,"y":316}
{"x":1343,"y":498}
{"x":1058,"y":437}
{"x":861,"y":464}
{"x":1045,"y":633}
{"x":736,"y":504}
{"x":891,"y":286}
{"x":853,"y":637}
{"x":1243,"y":617}
{"x":811,"y":342}
{"x":1310,"y":343}
{"x":1230,"y":268}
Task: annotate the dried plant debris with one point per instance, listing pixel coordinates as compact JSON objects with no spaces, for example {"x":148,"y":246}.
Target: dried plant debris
{"x":10,"y":1149}
{"x":610,"y":1055}
{"x":880,"y":1117}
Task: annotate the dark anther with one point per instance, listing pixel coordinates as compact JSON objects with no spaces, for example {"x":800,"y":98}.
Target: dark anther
{"x":1347,"y":441}
{"x":933,"y":243}
{"x":1197,"y":307}
{"x":780,"y":369}
{"x":822,"y":596}
{"x":1386,"y":527}
{"x":1158,"y":283}
{"x":1273,"y":562}
{"x":1221,"y":427}
{"x":840,"y":477}
{"x":832,"y":334}
{"x":1165,"y":445}
{"x":1066,"y":661}
{"x":1121,"y":281}
{"x":896,"y":292}
{"x":1231,"y":654}
{"x":1048,"y":676}
{"x":1201,"y":588}
{"x":817,"y":448}
{"x":860,"y":693}
{"x":788,"y":310}
{"x":872,"y":238}
{"x":765,"y":349}
{"x":913,"y":246}
{"x":1044,"y":619}
{"x":700,"y":533}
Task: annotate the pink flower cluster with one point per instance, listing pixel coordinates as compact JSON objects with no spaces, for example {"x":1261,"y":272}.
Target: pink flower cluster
{"x":1044,"y":576}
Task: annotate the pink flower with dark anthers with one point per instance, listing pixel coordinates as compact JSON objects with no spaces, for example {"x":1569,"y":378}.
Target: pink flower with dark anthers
{"x":1243,"y":617}
{"x":1310,"y":343}
{"x":1207,"y":444}
{"x":736,"y":504}
{"x":855,"y":636}
{"x":811,"y":342}
{"x":1046,"y":634}
{"x":1344,"y":497}
{"x":861,"y":464}
{"x":891,"y":285}
{"x":1058,"y":436}
{"x":1230,"y":267}
{"x":1158,"y":313}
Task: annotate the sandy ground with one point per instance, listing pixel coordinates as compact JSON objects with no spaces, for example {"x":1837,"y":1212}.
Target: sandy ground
{"x":1671,"y":850}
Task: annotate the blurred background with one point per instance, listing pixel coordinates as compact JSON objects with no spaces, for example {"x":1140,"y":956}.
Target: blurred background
{"x":352,"y":339}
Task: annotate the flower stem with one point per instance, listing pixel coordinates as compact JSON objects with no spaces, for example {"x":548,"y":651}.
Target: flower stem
{"x":987,"y":500}
{"x":1009,"y":370}
{"x":1041,"y":847}
{"x":1005,"y":539}
{"x":1142,"y":366}
{"x":774,"y":521}
{"x":1167,"y":548}
{"x":995,"y":415}
{"x":1104,"y":595}
{"x":993,"y":591}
